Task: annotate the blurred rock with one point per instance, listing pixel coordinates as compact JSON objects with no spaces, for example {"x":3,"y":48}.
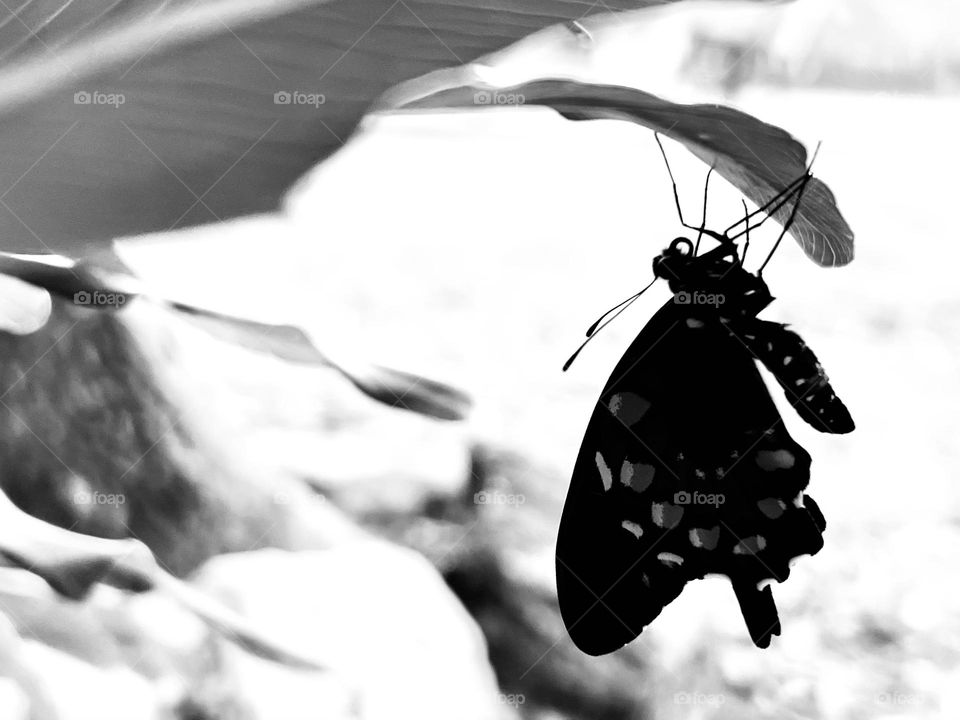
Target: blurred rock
{"x":14,"y":703}
{"x":109,"y":433}
{"x":80,"y":691}
{"x":22,"y":692}
{"x":390,"y":464}
{"x":24,"y":308}
{"x":160,"y":657}
{"x":57,"y":684}
{"x":862,"y":44}
{"x":532,"y":654}
{"x":398,"y":644}
{"x":494,"y":546}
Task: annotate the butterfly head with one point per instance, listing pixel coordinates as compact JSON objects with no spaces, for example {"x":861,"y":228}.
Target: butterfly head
{"x":717,"y":273}
{"x":673,"y":261}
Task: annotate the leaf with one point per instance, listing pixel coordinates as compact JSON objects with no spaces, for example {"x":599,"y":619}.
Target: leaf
{"x":81,"y":282}
{"x":407,"y":391}
{"x":232,"y":626}
{"x":759,"y":159}
{"x":126,"y":118}
{"x":394,"y":388}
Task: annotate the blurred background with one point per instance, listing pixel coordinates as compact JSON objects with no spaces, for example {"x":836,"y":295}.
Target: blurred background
{"x":415,"y":556}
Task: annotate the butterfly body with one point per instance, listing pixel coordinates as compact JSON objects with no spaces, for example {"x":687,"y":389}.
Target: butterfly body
{"x":686,"y":468}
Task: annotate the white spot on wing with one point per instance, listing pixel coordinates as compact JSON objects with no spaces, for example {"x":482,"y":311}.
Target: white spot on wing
{"x":703,"y":538}
{"x":636,"y":476}
{"x":772,"y":507}
{"x":670,"y":559}
{"x":666,"y":515}
{"x":628,"y":407}
{"x":788,"y":359}
{"x":750,"y":545}
{"x":775,"y":459}
{"x":605,"y":475}
{"x":632,"y":528}
{"x":694,"y":323}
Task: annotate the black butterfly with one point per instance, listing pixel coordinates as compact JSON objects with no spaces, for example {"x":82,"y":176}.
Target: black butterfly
{"x":686,"y":467}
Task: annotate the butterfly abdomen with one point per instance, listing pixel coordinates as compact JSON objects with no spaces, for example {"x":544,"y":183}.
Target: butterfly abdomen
{"x":798,"y":371}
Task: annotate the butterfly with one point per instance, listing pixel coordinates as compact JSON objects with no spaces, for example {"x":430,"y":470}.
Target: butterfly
{"x":686,"y":467}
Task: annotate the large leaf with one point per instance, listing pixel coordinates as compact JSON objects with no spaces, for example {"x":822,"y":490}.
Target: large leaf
{"x":759,"y":159}
{"x":125,"y":118}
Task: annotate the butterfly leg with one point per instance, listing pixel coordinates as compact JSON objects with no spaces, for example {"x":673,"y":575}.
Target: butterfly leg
{"x":673,"y":182}
{"x":746,"y":245}
{"x":702,"y":230}
{"x":703,"y":221}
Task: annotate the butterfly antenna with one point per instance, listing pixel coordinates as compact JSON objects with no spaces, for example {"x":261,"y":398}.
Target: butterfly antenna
{"x":793,"y":212}
{"x":746,"y":245}
{"x":703,"y":221}
{"x":593,"y":328}
{"x":600,"y":324}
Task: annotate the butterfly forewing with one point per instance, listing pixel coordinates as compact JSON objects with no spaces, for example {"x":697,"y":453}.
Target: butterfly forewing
{"x":685,"y":469}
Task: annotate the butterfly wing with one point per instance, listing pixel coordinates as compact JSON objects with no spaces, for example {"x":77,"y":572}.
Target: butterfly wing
{"x":798,"y":371}
{"x":685,"y":469}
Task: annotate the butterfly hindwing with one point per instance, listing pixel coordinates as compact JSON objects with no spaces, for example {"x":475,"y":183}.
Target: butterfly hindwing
{"x":685,"y":469}
{"x":798,"y":371}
